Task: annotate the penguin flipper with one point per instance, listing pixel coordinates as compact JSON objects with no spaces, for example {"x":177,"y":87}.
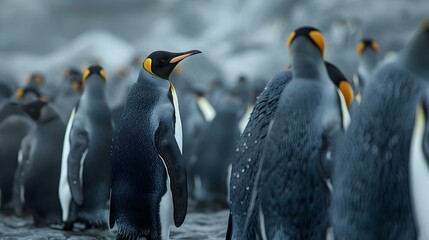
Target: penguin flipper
{"x":79,"y":142}
{"x":169,"y":151}
{"x":21,"y":172}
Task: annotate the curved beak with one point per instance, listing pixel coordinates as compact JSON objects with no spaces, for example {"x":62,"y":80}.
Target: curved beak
{"x":183,"y":55}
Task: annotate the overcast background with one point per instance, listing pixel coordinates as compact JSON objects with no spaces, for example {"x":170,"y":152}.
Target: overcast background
{"x":236,"y":36}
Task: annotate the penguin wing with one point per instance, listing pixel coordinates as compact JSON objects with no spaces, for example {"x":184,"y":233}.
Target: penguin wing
{"x":21,"y":172}
{"x":169,"y":151}
{"x":79,"y":143}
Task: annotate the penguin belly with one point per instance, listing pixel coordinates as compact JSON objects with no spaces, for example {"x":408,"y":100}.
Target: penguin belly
{"x":419,"y":178}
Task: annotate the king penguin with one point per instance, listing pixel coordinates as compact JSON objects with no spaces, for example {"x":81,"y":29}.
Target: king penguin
{"x":85,"y":169}
{"x":149,"y":188}
{"x":371,"y":178}
{"x":419,"y":167}
{"x":69,"y":92}
{"x":296,"y":154}
{"x":368,"y":50}
{"x":39,"y":163}
{"x":248,"y":152}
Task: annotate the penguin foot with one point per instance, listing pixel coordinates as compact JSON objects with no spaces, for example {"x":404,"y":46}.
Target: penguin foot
{"x":67,"y":226}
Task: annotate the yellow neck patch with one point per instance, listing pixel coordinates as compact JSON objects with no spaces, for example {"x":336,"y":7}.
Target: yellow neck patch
{"x":375,"y":46}
{"x":147,"y":65}
{"x":85,"y":76}
{"x":75,"y":85}
{"x":172,"y":89}
{"x":103,"y":74}
{"x":347,"y":92}
{"x":317,"y":37}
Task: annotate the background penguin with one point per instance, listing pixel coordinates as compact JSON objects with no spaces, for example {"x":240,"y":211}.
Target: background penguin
{"x":249,"y":148}
{"x":39,"y":163}
{"x":419,"y":167}
{"x":85,"y":169}
{"x":149,"y":176}
{"x":371,"y":181}
{"x":35,"y":80}
{"x":214,"y":152}
{"x":13,"y":128}
{"x":69,"y":92}
{"x":308,"y":118}
{"x":118,"y":88}
{"x":368,"y":51}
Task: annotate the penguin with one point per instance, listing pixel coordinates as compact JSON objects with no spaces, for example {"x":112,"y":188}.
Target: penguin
{"x":149,"y":181}
{"x":248,"y":153}
{"x":370,"y":176}
{"x":35,"y":80}
{"x":368,"y":51}
{"x":214,"y":152}
{"x":69,"y":92}
{"x":246,"y":158}
{"x":39,"y":162}
{"x":308,"y":119}
{"x":85,"y":167}
{"x":13,"y":128}
{"x":419,"y":167}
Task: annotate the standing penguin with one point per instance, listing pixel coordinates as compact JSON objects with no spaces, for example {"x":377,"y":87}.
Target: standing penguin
{"x":371,"y":178}
{"x":13,"y":128}
{"x":249,"y":149}
{"x":69,"y":92}
{"x":419,"y":167}
{"x":39,"y":163}
{"x":85,"y":170}
{"x":214,"y":152}
{"x":149,"y":187}
{"x":309,"y":117}
{"x":368,"y":51}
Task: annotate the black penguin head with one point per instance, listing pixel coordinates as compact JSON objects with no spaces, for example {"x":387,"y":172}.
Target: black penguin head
{"x":338,"y":78}
{"x":162,"y":63}
{"x":367,"y":43}
{"x":34,"y":108}
{"x":73,"y":77}
{"x":311,"y":33}
{"x":36,"y":79}
{"x":96,"y":70}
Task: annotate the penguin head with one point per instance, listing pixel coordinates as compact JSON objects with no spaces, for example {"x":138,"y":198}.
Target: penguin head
{"x":35,"y":79}
{"x":34,"y":109}
{"x":338,"y":78}
{"x":94,"y":70}
{"x":162,"y":63}
{"x":367,"y":43}
{"x":73,"y":77}
{"x":27,"y":94}
{"x":306,"y":35}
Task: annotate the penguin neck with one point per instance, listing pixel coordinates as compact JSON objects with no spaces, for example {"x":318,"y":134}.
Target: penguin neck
{"x":308,"y":65}
{"x":150,"y":81}
{"x":367,"y":62}
{"x":415,"y":56}
{"x":94,"y":89}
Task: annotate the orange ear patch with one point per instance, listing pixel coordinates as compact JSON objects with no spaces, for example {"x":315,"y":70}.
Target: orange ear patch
{"x":375,"y":46}
{"x":290,"y":38}
{"x":19,"y":94}
{"x":347,"y":92}
{"x":103,"y":74}
{"x":317,"y":38}
{"x":360,"y":47}
{"x":147,"y":65}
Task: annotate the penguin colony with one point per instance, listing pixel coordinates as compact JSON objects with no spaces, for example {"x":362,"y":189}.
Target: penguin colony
{"x":314,"y":156}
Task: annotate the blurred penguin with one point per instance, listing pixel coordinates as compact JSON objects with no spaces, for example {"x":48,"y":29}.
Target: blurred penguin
{"x":85,"y":168}
{"x":69,"y":92}
{"x":214,"y":153}
{"x":371,"y":178}
{"x":368,"y":51}
{"x":39,"y":163}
